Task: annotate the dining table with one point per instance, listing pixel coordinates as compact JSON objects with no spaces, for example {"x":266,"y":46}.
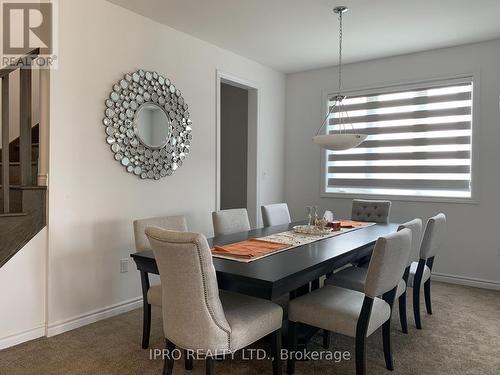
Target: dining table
{"x":295,"y":271}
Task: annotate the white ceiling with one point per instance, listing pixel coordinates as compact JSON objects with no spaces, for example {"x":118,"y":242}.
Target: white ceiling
{"x":295,"y":35}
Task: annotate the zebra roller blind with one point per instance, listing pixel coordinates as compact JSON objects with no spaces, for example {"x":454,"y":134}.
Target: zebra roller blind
{"x":419,"y":142}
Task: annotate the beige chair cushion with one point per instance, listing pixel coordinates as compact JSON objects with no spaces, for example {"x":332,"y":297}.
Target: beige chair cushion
{"x":193,"y":318}
{"x":388,"y":262}
{"x":371,"y":210}
{"x":337,"y":309}
{"x":230,"y":221}
{"x":350,"y":278}
{"x":413,"y":270}
{"x":354,"y":278}
{"x":250,"y":318}
{"x":415,"y":226}
{"x":434,"y":235}
{"x":154,"y":295}
{"x":177,"y":223}
{"x":275,"y":214}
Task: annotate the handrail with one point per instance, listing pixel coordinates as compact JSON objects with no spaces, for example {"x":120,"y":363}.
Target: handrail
{"x":17,"y":65}
{"x":25,"y":106}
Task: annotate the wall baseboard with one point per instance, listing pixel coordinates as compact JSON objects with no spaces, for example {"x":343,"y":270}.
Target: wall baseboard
{"x":93,"y":316}
{"x":19,"y":338}
{"x":467,"y":281}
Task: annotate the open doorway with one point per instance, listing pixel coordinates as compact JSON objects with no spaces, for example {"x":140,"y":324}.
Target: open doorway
{"x":233,"y":146}
{"x":237,"y":162}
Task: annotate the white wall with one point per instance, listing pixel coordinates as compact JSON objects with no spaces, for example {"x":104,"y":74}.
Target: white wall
{"x":92,"y":200}
{"x":471,"y":246}
{"x":22,"y":293}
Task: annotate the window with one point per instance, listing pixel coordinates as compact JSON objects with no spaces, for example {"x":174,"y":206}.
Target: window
{"x":419,"y":142}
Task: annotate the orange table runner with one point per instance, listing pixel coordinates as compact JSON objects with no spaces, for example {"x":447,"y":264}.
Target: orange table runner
{"x":353,"y":224}
{"x":249,"y":249}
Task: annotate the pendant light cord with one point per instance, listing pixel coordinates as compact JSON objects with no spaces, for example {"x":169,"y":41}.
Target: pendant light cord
{"x":340,"y":53}
{"x":338,"y":104}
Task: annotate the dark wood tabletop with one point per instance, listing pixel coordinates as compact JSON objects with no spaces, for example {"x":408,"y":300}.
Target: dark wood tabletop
{"x":286,"y":271}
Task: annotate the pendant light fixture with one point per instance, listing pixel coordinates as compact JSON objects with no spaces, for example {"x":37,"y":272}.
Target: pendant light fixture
{"x":339,"y":139}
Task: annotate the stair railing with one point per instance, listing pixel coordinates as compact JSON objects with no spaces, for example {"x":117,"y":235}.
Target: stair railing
{"x":25,"y":123}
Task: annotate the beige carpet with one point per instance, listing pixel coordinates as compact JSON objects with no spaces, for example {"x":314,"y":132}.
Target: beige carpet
{"x":462,"y":337}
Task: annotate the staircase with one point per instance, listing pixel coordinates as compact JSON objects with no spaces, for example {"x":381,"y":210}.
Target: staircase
{"x":22,"y":201}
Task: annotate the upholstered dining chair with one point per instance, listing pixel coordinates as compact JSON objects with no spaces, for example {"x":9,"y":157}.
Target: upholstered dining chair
{"x":230,"y":221}
{"x":352,"y":313}
{"x":420,"y":273}
{"x":375,"y":211}
{"x":371,"y":210}
{"x":152,"y":293}
{"x":355,"y":277}
{"x":275,"y":214}
{"x":196,"y":315}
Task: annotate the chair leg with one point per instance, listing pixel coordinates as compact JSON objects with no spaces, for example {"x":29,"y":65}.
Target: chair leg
{"x":386,"y":335}
{"x":188,"y":360}
{"x":402,"y":313}
{"x":146,"y":325}
{"x":360,"y":355}
{"x":209,"y":366}
{"x":417,"y":282}
{"x":427,"y":295}
{"x":361,"y":329}
{"x":168,"y":364}
{"x":292,"y":346}
{"x":416,"y":306}
{"x":326,"y":339}
{"x":276,"y":351}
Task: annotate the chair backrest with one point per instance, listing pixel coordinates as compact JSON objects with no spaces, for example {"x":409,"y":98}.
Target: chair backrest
{"x":371,"y":210}
{"x":435,"y":232}
{"x":275,"y":214}
{"x":177,"y":223}
{"x":415,"y":226}
{"x":388,"y":262}
{"x":230,"y":221}
{"x":193,"y":316}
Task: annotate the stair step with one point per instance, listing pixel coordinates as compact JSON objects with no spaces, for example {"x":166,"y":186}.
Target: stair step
{"x":33,"y":145}
{"x":18,"y":163}
{"x":13,"y":214}
{"x":26,"y":187}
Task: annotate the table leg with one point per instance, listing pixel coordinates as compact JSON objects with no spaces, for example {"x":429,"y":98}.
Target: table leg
{"x":146,"y":323}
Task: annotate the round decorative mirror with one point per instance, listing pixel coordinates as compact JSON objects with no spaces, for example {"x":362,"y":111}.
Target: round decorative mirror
{"x":147,"y":125}
{"x":152,"y":125}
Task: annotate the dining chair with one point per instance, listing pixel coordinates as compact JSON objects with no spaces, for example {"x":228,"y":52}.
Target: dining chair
{"x":199,"y":318}
{"x":275,"y":214}
{"x":355,"y":277}
{"x":152,"y":293}
{"x":376,"y":211}
{"x":352,"y":313}
{"x":230,"y":221}
{"x":420,"y":272}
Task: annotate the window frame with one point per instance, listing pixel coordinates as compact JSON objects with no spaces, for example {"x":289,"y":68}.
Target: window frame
{"x":374,"y":89}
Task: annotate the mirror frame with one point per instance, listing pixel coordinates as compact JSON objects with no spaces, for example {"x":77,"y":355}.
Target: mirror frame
{"x":127,"y":97}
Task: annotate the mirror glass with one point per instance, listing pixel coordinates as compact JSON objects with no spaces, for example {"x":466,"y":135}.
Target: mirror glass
{"x":153,"y":125}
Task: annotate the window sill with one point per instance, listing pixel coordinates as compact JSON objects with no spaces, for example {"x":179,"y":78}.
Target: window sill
{"x":404,"y":198}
